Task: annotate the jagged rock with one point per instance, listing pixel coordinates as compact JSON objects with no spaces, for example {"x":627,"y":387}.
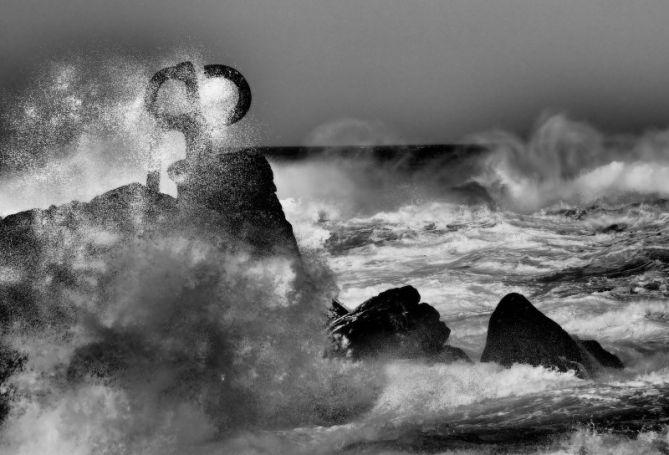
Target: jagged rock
{"x":236,"y":199}
{"x":520,"y":333}
{"x":392,"y":324}
{"x":130,"y":206}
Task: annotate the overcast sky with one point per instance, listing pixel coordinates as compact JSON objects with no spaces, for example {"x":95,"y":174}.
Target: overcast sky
{"x":432,"y":70}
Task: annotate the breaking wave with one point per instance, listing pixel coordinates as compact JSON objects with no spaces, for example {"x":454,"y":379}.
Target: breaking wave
{"x":164,"y":343}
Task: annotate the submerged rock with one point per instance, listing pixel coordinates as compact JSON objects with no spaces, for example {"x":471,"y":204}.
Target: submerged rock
{"x":519,"y":333}
{"x":10,"y":362}
{"x":392,"y":324}
{"x":601,"y":355}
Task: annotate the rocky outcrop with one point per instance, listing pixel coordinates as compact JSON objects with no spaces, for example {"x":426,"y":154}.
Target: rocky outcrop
{"x":393,"y":324}
{"x":519,"y":333}
{"x":234,"y":198}
{"x":240,"y":187}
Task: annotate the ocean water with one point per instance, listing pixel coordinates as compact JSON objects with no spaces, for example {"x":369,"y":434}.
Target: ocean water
{"x":598,"y":268}
{"x":222,"y":353}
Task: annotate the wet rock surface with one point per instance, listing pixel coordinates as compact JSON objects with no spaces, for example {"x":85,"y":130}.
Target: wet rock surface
{"x":519,"y":333}
{"x":392,"y":324}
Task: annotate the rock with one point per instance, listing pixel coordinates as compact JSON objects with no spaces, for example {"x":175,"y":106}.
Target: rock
{"x":601,"y":355}
{"x":520,"y":333}
{"x":239,"y":185}
{"x":234,"y":196}
{"x":392,"y":324}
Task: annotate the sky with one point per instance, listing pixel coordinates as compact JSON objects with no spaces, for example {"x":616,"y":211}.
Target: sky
{"x":431,"y":71}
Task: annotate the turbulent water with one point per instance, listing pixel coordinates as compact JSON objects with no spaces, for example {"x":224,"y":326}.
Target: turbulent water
{"x":222,"y":352}
{"x":598,"y":269}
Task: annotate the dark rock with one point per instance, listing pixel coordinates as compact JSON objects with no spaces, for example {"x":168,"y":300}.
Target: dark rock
{"x":236,"y":200}
{"x":520,"y":333}
{"x":601,"y":355}
{"x":131,"y":205}
{"x":240,"y":187}
{"x":392,"y":324}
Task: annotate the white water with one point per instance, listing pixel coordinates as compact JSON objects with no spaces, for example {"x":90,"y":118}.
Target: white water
{"x":266,"y":388}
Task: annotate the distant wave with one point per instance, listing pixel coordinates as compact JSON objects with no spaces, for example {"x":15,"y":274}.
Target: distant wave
{"x":561,"y":162}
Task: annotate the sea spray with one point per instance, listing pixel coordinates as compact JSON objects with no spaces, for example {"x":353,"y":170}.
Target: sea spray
{"x":81,"y":128}
{"x":166,"y":343}
{"x":569,"y":161}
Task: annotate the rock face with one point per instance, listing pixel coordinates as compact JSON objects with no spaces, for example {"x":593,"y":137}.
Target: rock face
{"x":392,"y":324}
{"x":240,"y":187}
{"x":520,"y":333}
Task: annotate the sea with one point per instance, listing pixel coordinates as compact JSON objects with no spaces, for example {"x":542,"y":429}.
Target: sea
{"x":222,"y":353}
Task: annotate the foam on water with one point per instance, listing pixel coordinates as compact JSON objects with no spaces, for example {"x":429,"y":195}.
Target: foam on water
{"x":222,"y":353}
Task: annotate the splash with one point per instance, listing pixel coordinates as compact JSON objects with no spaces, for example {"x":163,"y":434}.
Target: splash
{"x":153,"y":342}
{"x":140,"y":339}
{"x":81,"y":128}
{"x":561,"y":162}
